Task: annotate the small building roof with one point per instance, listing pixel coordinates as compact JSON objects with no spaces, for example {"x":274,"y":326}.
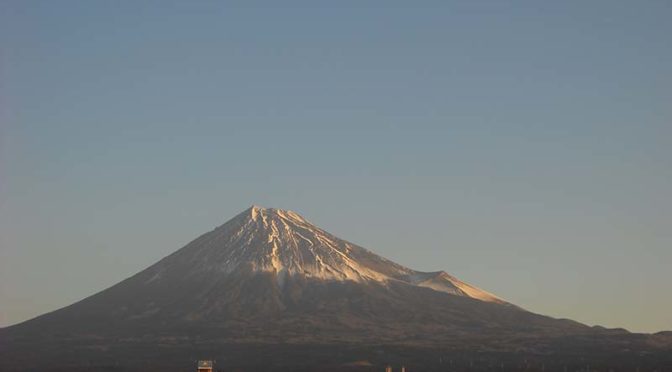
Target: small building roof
{"x":205,"y":364}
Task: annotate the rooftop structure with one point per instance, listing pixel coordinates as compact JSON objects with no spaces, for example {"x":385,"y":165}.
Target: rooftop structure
{"x":205,"y":365}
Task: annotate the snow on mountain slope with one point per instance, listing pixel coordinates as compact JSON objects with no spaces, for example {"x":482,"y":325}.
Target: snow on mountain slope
{"x":284,"y":243}
{"x":444,"y":282}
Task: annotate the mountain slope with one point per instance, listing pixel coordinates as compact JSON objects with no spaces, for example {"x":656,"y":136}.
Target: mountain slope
{"x":261,"y":262}
{"x":268,"y":276}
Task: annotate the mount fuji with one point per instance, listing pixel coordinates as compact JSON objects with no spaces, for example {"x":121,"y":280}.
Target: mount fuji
{"x":268,"y":290}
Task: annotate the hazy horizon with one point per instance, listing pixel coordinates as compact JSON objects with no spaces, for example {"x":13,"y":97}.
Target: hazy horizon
{"x":525,"y":148}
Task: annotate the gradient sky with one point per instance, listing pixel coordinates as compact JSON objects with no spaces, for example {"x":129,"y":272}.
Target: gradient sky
{"x":525,"y":147}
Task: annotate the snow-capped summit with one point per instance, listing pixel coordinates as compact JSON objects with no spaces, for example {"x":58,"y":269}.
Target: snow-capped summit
{"x":283,"y":243}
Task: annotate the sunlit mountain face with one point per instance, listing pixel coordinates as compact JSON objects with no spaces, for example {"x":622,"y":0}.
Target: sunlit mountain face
{"x":268,"y":290}
{"x":285,"y":246}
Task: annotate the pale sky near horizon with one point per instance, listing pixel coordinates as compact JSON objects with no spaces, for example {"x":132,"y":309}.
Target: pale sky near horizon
{"x":524,"y":147}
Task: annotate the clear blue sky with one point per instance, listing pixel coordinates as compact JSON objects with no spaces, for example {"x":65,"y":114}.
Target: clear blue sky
{"x":525,"y":147}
